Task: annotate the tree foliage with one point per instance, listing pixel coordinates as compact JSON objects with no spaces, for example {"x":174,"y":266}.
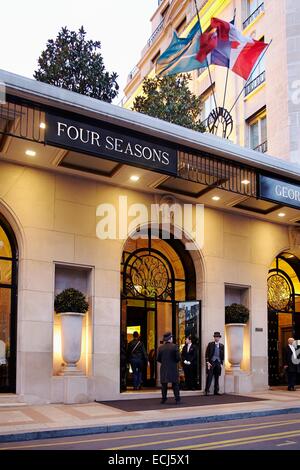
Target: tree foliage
{"x":75,"y":63}
{"x":170,"y":99}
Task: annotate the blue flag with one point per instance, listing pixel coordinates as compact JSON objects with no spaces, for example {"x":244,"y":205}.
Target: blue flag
{"x":180,"y":56}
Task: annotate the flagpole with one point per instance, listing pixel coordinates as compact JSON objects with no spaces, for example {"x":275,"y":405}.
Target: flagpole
{"x":207,"y":66}
{"x":227,"y":74}
{"x":262,"y":56}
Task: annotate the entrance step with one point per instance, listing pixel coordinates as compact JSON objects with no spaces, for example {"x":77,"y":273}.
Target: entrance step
{"x":11,"y":399}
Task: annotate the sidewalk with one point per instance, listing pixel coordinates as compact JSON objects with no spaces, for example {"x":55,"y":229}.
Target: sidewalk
{"x":25,"y":422}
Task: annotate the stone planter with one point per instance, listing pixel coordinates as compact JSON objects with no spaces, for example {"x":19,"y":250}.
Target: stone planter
{"x":71,"y":335}
{"x":235,"y":344}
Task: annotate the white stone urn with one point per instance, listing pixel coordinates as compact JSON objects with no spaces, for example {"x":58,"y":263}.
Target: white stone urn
{"x":235,"y":344}
{"x":71,"y":335}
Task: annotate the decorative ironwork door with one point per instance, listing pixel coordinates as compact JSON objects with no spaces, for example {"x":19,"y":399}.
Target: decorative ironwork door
{"x":273,"y":353}
{"x":8,"y":308}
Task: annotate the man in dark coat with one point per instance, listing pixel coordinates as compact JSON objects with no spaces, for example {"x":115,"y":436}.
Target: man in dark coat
{"x":168,"y":356}
{"x":214,"y":357}
{"x":189,"y":363}
{"x":137,"y":356}
{"x":291,"y":364}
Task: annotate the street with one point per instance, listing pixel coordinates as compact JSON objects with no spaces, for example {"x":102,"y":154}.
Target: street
{"x":281,"y":432}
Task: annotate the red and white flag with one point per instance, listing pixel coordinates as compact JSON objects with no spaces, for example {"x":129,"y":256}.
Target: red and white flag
{"x":243,"y":51}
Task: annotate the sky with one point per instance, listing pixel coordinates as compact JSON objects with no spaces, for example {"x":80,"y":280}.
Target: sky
{"x":122,"y":26}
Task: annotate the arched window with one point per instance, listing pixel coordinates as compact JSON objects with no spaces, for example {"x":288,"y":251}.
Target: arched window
{"x":8,"y":307}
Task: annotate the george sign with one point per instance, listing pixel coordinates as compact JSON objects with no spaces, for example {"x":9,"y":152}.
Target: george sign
{"x":100,"y":141}
{"x":279,"y":191}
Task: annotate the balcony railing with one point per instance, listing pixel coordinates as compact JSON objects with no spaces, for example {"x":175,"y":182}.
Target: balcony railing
{"x":262,"y":148}
{"x":255,"y":83}
{"x":133,"y":72}
{"x":156,"y":33}
{"x":254,"y":15}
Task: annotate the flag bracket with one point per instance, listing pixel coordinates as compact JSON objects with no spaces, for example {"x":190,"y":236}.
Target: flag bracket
{"x":220,"y":120}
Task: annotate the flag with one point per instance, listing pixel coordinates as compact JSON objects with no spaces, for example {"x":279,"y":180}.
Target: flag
{"x":242,"y":51}
{"x":245,"y":56}
{"x":181,"y":54}
{"x":208,"y":42}
{"x":215,"y":50}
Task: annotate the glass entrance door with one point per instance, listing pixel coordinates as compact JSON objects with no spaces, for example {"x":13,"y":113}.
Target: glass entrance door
{"x":188,"y":323}
{"x":8,"y":306}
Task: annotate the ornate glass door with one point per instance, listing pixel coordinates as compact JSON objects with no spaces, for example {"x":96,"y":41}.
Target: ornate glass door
{"x":8,"y":307}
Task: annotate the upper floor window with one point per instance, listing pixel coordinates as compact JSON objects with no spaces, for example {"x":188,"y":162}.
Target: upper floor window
{"x":258,"y":133}
{"x":154,"y":59}
{"x":164,"y":12}
{"x":208,"y":104}
{"x":181,"y":25}
{"x":253,"y":9}
{"x":252,"y":6}
{"x":258,"y":75}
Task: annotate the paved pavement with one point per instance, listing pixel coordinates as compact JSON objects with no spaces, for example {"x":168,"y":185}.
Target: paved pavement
{"x":46,"y":421}
{"x":269,"y":433}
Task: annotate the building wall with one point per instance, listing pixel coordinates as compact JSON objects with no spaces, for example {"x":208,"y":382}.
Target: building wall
{"x":54,"y":218}
{"x":278,"y":94}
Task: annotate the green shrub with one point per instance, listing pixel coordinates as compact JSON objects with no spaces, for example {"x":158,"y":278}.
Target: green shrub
{"x":236,"y":313}
{"x":71,"y":300}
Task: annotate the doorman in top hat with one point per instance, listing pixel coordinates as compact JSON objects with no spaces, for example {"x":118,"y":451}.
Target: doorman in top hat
{"x":214,"y":357}
{"x":168,"y":356}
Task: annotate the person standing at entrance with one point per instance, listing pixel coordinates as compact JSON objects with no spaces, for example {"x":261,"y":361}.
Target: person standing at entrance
{"x":137,"y":356}
{"x":189,"y":361}
{"x":291,"y":364}
{"x":168,"y":356}
{"x":214,"y":357}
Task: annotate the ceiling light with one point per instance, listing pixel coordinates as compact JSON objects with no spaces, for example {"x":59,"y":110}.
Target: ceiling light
{"x":30,"y":153}
{"x":216,"y":198}
{"x":43,"y":125}
{"x":134,"y":178}
{"x":281,"y":214}
{"x":246,"y":182}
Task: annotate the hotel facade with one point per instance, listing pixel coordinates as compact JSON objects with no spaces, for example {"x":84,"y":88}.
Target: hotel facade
{"x":80,"y":181}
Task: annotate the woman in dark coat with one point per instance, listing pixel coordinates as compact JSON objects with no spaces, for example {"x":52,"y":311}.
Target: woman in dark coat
{"x":168,"y":356}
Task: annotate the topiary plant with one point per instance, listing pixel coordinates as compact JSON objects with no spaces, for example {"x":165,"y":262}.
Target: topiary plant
{"x":236,"y":313}
{"x":71,"y":300}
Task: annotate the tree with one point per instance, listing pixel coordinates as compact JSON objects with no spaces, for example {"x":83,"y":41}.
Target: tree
{"x":170,"y":99}
{"x":75,"y":63}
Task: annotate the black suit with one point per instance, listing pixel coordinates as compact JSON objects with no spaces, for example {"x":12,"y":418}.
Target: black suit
{"x":216,"y":366}
{"x":190,"y":371}
{"x":291,"y":368}
{"x":168,"y":356}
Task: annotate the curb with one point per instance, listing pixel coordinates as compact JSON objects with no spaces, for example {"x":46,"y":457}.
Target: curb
{"x":57,"y":433}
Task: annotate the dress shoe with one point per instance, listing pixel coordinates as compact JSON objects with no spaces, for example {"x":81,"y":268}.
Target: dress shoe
{"x":206,"y":393}
{"x":217,"y":393}
{"x":163,"y":401}
{"x":177,"y":402}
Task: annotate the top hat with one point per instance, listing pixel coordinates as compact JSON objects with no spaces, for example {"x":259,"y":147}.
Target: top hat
{"x":217,"y":334}
{"x":168,"y":336}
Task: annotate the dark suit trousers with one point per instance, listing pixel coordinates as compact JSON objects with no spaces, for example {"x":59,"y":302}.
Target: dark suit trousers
{"x":292,"y":377}
{"x":164,"y":390}
{"x":214,"y":371}
{"x":189,"y":375}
